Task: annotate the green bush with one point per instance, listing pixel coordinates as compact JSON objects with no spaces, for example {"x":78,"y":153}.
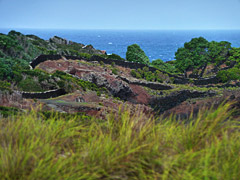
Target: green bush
{"x":66,"y":79}
{"x":136,"y":54}
{"x":8,"y":111}
{"x":150,"y":76}
{"x":133,"y":73}
{"x":113,"y":64}
{"x":115,"y":71}
{"x":30,"y":85}
{"x":115,"y":56}
{"x":85,"y":55}
{"x":5,"y":86}
{"x":230,"y":74}
{"x":167,"y":67}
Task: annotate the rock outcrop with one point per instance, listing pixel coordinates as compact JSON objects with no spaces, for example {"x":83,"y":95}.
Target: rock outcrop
{"x":59,"y":40}
{"x":117,"y":88}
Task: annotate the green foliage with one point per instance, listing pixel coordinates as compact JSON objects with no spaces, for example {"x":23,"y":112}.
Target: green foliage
{"x":41,"y":75}
{"x":136,"y":54}
{"x":115,"y":71}
{"x":66,"y":79}
{"x":45,"y":115}
{"x":113,"y":64}
{"x":5,"y":86}
{"x":102,"y":55}
{"x":133,"y":73}
{"x":229,"y":74}
{"x":30,"y":85}
{"x":98,"y":93}
{"x":10,"y":69}
{"x":122,"y":147}
{"x":167,"y":67}
{"x":7,"y":42}
{"x":199,"y":52}
{"x":8,"y":111}
{"x":16,"y":45}
{"x":193,"y":55}
{"x":85,"y":55}
{"x":144,"y":73}
{"x":219,"y":51}
{"x":235,"y":54}
{"x":115,"y":56}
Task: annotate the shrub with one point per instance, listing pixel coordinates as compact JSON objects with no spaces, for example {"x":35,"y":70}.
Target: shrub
{"x":136,"y":54}
{"x":5,"y":86}
{"x":138,"y":75}
{"x":85,"y":55}
{"x":98,"y":93}
{"x":172,"y":79}
{"x":66,"y":79}
{"x":230,"y":74}
{"x":133,"y":73}
{"x":8,"y":111}
{"x":115,"y":56}
{"x":30,"y":85}
{"x":167,"y":67}
{"x":115,"y":71}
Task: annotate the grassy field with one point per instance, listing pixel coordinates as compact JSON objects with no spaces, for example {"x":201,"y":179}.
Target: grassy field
{"x":121,"y":147}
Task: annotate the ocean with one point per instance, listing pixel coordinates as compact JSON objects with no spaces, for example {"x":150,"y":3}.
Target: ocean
{"x":157,"y":44}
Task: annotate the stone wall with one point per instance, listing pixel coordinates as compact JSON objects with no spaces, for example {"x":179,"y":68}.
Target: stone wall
{"x":151,"y":85}
{"x":161,"y":104}
{"x":43,"y":95}
{"x":43,"y":58}
{"x":206,"y":81}
{"x":225,"y":85}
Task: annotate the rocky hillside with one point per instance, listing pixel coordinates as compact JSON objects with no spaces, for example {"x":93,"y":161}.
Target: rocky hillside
{"x":73,"y":77}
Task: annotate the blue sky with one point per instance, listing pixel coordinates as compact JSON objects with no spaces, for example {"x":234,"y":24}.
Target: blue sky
{"x":120,"y":14}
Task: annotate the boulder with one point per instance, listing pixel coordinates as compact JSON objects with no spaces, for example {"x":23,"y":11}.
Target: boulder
{"x":117,"y":88}
{"x":58,"y":40}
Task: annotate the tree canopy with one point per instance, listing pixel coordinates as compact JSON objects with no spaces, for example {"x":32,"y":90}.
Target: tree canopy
{"x":219,"y":51}
{"x":198,"y":52}
{"x":193,"y":54}
{"x":136,"y":54}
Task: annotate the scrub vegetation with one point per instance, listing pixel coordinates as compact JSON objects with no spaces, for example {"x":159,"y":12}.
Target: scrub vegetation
{"x":121,"y":147}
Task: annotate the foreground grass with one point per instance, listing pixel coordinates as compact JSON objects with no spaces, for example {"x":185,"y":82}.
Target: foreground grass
{"x":122,"y":147}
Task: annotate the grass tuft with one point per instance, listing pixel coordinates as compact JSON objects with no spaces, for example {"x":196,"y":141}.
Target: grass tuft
{"x":121,"y":147}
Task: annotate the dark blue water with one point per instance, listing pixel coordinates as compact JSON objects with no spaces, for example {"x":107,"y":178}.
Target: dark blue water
{"x":156,"y":44}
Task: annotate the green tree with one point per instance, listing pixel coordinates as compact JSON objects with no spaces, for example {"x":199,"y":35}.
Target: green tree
{"x":136,"y":54}
{"x":194,"y":54}
{"x":235,"y":54}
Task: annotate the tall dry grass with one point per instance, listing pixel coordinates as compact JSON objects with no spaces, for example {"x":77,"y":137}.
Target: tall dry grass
{"x":122,"y":147}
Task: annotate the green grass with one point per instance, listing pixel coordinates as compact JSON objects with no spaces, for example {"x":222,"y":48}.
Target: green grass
{"x":121,"y":147}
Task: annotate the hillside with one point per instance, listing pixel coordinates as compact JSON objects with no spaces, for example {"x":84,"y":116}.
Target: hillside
{"x":69,"y":111}
{"x":72,"y":77}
